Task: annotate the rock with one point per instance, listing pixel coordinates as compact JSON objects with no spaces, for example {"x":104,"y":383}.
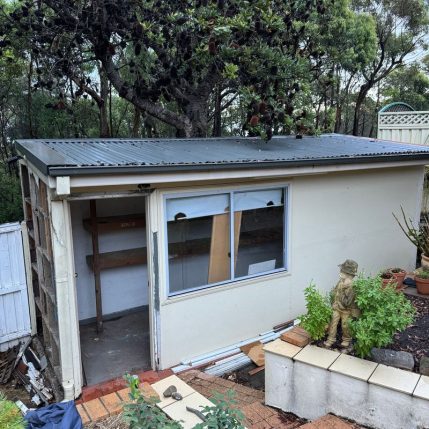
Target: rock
{"x":424,"y":365}
{"x":403,"y":360}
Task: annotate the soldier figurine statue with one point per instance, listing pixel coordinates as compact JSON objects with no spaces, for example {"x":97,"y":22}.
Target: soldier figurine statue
{"x":343,"y":306}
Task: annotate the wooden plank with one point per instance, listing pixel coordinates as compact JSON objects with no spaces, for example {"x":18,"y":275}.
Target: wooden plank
{"x":245,"y":349}
{"x":257,"y":354}
{"x":120,"y":258}
{"x":113,"y":223}
{"x":219,"y":263}
{"x":256,"y":370}
{"x":237,"y":229}
{"x":96,"y":265}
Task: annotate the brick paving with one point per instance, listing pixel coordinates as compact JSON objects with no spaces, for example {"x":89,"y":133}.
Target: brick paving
{"x":249,"y":401}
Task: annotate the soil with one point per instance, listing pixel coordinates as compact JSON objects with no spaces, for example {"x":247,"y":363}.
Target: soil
{"x":14,"y":392}
{"x":415,"y":338}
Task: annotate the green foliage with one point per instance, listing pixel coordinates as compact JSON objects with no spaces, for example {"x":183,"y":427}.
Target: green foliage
{"x":142,"y":413}
{"x":221,"y":415}
{"x":10,"y":416}
{"x":319,"y":312}
{"x":422,"y":273}
{"x":383,"y":313}
{"x":408,"y":84}
{"x":10,"y":197}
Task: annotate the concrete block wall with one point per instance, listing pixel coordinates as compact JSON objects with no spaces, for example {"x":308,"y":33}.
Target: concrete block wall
{"x":312,"y":382}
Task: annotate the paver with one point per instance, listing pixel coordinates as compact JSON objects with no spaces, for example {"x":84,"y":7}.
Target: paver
{"x":95,"y":409}
{"x":113,"y":403}
{"x":83,"y":415}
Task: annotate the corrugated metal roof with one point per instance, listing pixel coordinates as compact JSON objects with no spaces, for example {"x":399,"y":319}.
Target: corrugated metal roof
{"x":99,"y":156}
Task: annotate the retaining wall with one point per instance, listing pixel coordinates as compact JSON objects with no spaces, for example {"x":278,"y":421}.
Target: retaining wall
{"x":313,"y":381}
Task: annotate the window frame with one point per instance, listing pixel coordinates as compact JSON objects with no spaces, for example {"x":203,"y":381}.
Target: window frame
{"x":286,"y":205}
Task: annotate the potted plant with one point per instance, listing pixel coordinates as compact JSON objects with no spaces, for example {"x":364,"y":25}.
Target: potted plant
{"x":399,"y":275}
{"x":422,"y":281}
{"x":387,"y":278}
{"x":418,"y":236}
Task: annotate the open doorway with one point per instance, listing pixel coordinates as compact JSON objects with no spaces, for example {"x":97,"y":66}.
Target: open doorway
{"x":109,"y":239}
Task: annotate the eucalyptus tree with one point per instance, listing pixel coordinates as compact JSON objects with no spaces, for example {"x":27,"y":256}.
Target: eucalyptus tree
{"x":401,"y":26}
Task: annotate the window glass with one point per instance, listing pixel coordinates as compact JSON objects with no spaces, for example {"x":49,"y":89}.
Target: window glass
{"x":198,"y":231}
{"x":199,"y":228}
{"x":259,"y":231}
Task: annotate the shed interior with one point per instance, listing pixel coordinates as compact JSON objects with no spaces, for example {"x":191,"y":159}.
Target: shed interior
{"x":109,"y":241}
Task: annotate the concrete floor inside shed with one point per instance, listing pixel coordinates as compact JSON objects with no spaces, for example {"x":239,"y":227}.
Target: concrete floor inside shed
{"x":122,"y":347}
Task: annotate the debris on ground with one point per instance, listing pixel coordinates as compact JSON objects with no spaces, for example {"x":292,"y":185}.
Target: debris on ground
{"x":415,"y":339}
{"x":26,"y":365}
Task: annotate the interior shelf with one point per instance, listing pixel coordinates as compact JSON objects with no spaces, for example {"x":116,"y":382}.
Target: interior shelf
{"x":114,"y":223}
{"x":119,"y":258}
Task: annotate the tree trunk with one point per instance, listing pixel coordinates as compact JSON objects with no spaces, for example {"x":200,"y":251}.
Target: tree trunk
{"x":197,"y":112}
{"x":105,"y":130}
{"x":217,"y":116}
{"x":136,"y":122}
{"x":31,"y":132}
{"x":359,"y":101}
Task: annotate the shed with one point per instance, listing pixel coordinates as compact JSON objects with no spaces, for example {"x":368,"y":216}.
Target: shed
{"x":146,"y":253}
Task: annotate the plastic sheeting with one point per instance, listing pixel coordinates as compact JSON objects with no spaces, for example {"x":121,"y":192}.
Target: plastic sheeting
{"x":63,"y":415}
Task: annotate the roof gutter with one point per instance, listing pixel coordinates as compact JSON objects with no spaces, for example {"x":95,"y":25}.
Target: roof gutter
{"x":141,"y":169}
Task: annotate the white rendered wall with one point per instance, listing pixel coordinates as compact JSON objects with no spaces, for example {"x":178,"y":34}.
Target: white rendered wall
{"x":332,"y":217}
{"x":122,"y":288}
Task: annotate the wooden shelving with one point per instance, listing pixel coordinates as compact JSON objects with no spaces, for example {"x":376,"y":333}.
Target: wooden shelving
{"x":121,"y":258}
{"x":114,"y":223}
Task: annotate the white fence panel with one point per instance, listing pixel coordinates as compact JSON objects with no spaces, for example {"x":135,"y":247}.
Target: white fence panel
{"x":14,"y":307}
{"x":405,"y":127}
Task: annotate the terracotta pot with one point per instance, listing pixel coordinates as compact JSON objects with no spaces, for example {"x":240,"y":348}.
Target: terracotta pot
{"x":422,"y":285}
{"x":424,"y":261}
{"x":399,"y":277}
{"x":385,"y":282}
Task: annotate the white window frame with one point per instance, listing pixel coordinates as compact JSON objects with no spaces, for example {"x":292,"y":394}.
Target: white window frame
{"x":286,"y":205}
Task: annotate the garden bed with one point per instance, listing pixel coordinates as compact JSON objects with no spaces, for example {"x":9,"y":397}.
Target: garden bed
{"x":415,"y":338}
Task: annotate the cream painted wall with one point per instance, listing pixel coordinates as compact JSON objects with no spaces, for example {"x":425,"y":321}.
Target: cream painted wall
{"x":331,"y":217}
{"x":122,"y":288}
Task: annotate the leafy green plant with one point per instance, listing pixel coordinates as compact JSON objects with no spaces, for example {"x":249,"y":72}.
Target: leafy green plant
{"x":319,"y":312}
{"x":10,"y":416}
{"x":422,"y":273}
{"x":142,"y":413}
{"x":222,"y":415}
{"x":383,"y":313}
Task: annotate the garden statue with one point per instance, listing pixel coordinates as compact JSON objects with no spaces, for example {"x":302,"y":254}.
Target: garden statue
{"x":343,"y":306}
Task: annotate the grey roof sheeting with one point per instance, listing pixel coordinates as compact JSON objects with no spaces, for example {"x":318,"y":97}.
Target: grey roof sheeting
{"x":70,"y":157}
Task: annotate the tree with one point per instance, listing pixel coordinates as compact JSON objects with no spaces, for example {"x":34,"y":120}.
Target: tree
{"x":401,"y":26}
{"x":168,"y":58}
{"x":408,"y":84}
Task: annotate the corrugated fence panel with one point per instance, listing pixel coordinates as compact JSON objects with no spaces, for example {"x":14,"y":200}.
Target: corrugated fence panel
{"x":404,"y":127}
{"x":14,"y":309}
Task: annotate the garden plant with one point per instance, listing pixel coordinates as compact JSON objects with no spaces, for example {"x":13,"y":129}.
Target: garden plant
{"x":319,"y":312}
{"x":384,"y":312}
{"x":10,"y":416}
{"x":142,"y":413}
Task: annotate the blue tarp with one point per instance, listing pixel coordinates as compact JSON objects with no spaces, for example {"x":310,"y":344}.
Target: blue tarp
{"x":63,"y":415}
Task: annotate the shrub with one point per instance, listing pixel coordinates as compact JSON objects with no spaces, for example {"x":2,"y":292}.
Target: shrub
{"x":383,"y":313}
{"x":10,"y":416}
{"x":319,"y":312}
{"x":221,"y":415}
{"x":142,"y":413}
